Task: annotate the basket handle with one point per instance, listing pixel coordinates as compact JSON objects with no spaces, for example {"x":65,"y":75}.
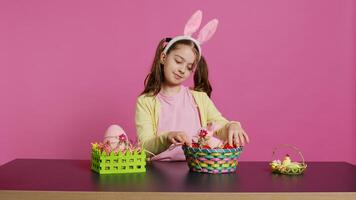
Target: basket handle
{"x":291,"y":146}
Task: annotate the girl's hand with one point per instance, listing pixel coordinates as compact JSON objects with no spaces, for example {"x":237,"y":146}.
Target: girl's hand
{"x":178,"y":138}
{"x":236,"y":135}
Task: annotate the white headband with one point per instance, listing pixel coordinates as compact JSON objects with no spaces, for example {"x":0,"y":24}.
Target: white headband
{"x":182,"y":37}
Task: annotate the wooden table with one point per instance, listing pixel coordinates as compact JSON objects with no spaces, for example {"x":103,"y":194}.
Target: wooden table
{"x":73,"y":179}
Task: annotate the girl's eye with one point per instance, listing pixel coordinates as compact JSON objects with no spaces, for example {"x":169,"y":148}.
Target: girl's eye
{"x":177,"y":61}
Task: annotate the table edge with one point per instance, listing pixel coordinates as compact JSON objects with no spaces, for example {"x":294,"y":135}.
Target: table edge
{"x":88,"y":195}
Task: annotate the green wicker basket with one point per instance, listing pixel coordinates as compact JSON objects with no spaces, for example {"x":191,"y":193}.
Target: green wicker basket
{"x":115,"y":163}
{"x":295,"y":168}
{"x":214,"y":161}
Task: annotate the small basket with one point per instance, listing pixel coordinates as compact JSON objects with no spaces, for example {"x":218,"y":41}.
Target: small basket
{"x":293,"y":169}
{"x":115,"y":163}
{"x":214,"y":161}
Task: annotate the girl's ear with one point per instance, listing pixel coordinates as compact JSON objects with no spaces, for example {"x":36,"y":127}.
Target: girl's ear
{"x":163,"y":58}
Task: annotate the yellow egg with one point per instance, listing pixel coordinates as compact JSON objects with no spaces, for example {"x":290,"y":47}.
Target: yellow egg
{"x":286,"y":161}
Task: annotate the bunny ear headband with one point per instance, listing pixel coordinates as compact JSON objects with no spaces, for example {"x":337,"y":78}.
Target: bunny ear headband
{"x":191,"y":27}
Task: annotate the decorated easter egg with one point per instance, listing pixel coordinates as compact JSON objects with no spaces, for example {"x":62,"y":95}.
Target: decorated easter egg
{"x":112,"y":135}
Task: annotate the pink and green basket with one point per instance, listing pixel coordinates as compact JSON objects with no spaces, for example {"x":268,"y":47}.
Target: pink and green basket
{"x":214,"y":161}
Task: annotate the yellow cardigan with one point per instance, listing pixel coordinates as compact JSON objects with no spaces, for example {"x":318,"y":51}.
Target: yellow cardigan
{"x":147,"y":114}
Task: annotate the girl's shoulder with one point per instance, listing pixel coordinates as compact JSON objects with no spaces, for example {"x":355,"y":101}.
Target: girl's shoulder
{"x":146,"y":99}
{"x":198,"y":93}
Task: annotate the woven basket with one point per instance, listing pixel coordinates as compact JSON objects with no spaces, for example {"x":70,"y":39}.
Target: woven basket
{"x":117,"y":163}
{"x":214,"y":161}
{"x":298,"y":168}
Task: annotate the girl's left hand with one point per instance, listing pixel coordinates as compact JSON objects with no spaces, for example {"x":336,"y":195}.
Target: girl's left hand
{"x":236,"y":135}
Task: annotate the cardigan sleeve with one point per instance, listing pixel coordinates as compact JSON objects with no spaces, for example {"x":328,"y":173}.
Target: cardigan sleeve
{"x":213,"y":115}
{"x":144,"y":122}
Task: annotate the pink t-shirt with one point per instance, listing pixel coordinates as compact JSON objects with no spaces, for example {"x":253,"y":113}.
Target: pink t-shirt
{"x":178,"y":113}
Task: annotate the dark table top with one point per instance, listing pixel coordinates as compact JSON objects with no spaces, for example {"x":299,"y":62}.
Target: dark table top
{"x":75,"y":175}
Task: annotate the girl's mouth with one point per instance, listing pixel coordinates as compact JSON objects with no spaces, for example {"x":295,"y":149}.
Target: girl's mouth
{"x":177,"y":76}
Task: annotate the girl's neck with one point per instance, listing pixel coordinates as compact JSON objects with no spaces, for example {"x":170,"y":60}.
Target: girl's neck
{"x":169,"y":90}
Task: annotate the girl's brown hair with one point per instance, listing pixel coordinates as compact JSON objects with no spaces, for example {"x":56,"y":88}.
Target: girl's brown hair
{"x":155,"y":78}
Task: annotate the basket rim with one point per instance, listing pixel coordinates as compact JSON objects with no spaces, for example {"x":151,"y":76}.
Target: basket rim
{"x":196,"y":149}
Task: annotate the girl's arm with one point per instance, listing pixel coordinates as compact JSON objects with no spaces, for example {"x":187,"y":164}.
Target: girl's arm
{"x":145,"y":122}
{"x":231,"y":132}
{"x":213,"y":115}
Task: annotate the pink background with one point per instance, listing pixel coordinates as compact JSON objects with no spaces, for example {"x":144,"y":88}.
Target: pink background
{"x":285,"y":69}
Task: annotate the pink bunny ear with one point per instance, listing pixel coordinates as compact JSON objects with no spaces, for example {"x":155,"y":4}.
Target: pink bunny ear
{"x":193,"y":23}
{"x":208,"y":31}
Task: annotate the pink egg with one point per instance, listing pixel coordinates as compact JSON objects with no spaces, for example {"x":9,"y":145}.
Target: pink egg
{"x":112,"y":135}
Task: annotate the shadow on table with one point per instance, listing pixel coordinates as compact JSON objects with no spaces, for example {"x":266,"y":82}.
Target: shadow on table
{"x":176,"y":177}
{"x":120,"y":182}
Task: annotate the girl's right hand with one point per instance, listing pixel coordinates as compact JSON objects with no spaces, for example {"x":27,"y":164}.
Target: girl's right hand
{"x":178,"y":138}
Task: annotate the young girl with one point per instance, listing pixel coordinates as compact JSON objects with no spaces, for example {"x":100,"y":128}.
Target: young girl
{"x":169,"y":114}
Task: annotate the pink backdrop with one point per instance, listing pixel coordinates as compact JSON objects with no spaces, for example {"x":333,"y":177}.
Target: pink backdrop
{"x":285,"y":69}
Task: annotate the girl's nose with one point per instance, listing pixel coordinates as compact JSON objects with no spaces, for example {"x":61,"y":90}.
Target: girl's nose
{"x":181,"y":70}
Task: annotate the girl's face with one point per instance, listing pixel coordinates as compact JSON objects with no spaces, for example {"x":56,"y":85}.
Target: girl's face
{"x":178,"y":64}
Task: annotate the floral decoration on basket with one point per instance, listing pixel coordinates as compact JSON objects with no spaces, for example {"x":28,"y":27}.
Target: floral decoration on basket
{"x":202,"y":157}
{"x":287,"y":166}
{"x":110,"y":157}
